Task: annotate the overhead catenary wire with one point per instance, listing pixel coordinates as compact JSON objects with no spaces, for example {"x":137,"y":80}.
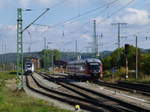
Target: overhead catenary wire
{"x":118,"y":11}
{"x":101,"y":21}
{"x":82,"y":14}
{"x":111,"y":14}
{"x":85,"y":13}
{"x":86,"y":22}
{"x":115,"y":12}
{"x":58,"y":3}
{"x":102,"y":11}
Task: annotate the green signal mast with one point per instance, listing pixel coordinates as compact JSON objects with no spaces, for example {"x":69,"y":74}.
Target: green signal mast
{"x":20,"y":30}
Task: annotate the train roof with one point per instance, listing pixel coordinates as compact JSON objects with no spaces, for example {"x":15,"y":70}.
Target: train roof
{"x":90,"y":60}
{"x":28,"y":62}
{"x":93,"y":60}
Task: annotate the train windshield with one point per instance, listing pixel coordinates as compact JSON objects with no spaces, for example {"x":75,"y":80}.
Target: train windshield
{"x":94,"y":66}
{"x":28,"y":64}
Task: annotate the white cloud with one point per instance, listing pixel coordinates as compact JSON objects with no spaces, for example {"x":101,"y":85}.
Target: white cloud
{"x":24,"y":3}
{"x":28,"y":3}
{"x":135,"y":16}
{"x":8,"y":28}
{"x":74,"y":31}
{"x":86,"y":37}
{"x":131,"y":16}
{"x":44,"y":1}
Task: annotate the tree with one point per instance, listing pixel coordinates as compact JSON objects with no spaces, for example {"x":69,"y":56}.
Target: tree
{"x":117,"y":57}
{"x":114,"y":60}
{"x":47,"y":55}
{"x":57,"y":54}
{"x":107,"y":65}
{"x":145,"y":63}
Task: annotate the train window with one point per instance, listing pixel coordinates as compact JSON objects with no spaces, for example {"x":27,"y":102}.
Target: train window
{"x":94,"y":63}
{"x":94,"y":67}
{"x":82,"y":68}
{"x":28,"y":64}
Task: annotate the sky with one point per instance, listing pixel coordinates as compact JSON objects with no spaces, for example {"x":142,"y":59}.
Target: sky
{"x":71,"y":20}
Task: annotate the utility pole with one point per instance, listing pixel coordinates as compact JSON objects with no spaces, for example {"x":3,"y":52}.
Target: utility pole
{"x":19,"y":49}
{"x":20,"y":31}
{"x":136,"y":57}
{"x":119,"y":36}
{"x":95,"y":43}
{"x":29,"y":49}
{"x":53,"y":61}
{"x":2,"y":55}
{"x":119,"y":30}
{"x":76,"y":50}
{"x":98,"y":44}
{"x":52,"y":56}
{"x":45,"y":54}
{"x":0,"y":59}
{"x":45,"y":45}
{"x":5,"y":60}
{"x":87,"y":50}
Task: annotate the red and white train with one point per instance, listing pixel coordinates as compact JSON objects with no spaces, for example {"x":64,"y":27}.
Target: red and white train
{"x":88,"y":68}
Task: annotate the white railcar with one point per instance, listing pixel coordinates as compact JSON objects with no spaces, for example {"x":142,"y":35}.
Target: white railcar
{"x":29,"y":67}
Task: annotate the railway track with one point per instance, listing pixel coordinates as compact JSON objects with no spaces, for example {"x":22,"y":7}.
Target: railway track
{"x":59,"y":96}
{"x":136,"y":88}
{"x":86,"y":104}
{"x":95,"y":98}
{"x":133,"y":88}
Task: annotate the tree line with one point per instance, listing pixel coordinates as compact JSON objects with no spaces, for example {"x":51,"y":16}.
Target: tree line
{"x":117,"y":60}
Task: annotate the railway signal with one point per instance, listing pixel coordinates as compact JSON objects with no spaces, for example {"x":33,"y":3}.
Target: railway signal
{"x":136,"y":57}
{"x":126,"y":59}
{"x":126,"y":49}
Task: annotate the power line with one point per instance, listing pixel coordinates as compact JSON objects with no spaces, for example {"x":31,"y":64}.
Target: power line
{"x":108,"y":4}
{"x":53,"y":6}
{"x":78,"y":16}
{"x":88,"y":21}
{"x":115,"y":12}
{"x":85,"y":13}
{"x":58,"y":3}
{"x":102,"y":11}
{"x":84,"y":23}
{"x":120,"y":9}
{"x":36,"y":19}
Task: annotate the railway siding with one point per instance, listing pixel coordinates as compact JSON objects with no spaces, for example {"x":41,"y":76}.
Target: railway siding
{"x":34,"y":93}
{"x":135,"y":86}
{"x":114,"y":96}
{"x":94,"y":103}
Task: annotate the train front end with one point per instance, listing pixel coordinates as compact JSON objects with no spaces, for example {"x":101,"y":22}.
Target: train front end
{"x":29,"y":67}
{"x":94,"y":68}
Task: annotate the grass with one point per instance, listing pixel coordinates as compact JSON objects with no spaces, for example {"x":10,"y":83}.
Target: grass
{"x":117,"y":77}
{"x":145,"y":80}
{"x":7,"y":75}
{"x":18,"y":101}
